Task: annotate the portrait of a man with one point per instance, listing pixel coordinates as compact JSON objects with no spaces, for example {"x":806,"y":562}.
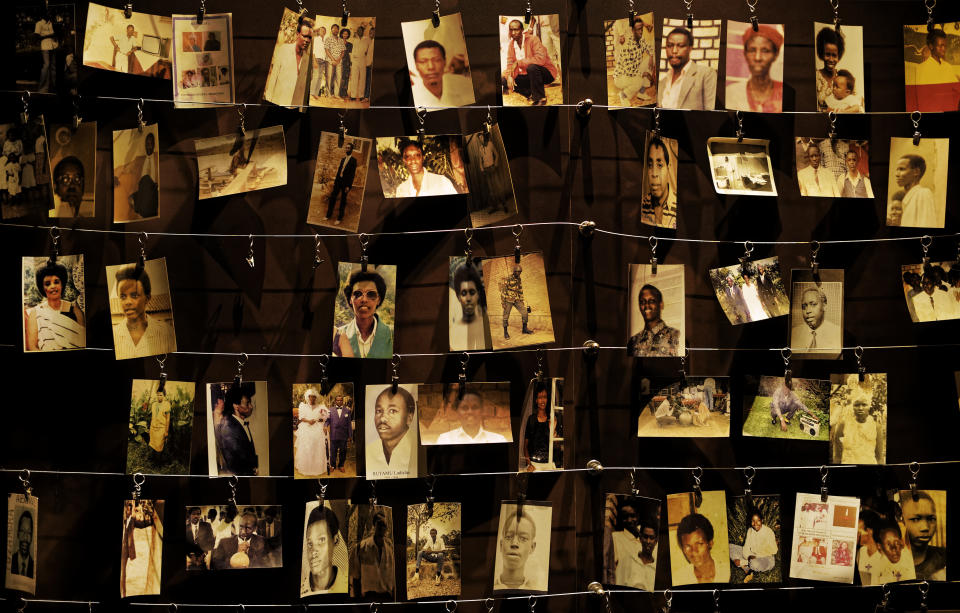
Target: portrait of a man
{"x":73,"y":163}
{"x":918,"y":179}
{"x":488,"y":173}
{"x":362,"y":320}
{"x":412,"y":168}
{"x":479,"y":413}
{"x":133,"y":291}
{"x":659,"y":204}
{"x":391,"y":432}
{"x":754,"y":530}
{"x":339,"y":180}
{"x":924,"y":529}
{"x":136,"y":174}
{"x":932,"y":291}
{"x":237,"y":436}
{"x":245,"y":549}
{"x":523,"y":317}
{"x":814,"y":180}
{"x":816,"y":313}
{"x":689,"y":77}
{"x":21,"y":562}
{"x":699,"y":551}
{"x":932,"y":63}
{"x":139,"y":45}
{"x":375,"y":552}
{"x":325,"y":562}
{"x":631,"y":53}
{"x":433,"y":550}
{"x":523,"y":548}
{"x":438,"y":63}
{"x":656,"y":338}
{"x":292,"y":63}
{"x":530,"y":60}
{"x":631,"y":534}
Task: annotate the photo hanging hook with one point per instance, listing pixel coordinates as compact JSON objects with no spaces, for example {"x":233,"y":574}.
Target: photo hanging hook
{"x":930,"y":4}
{"x":422,"y":116}
{"x":832,"y":117}
{"x":232,"y":485}
{"x":238,"y":378}
{"x":55,"y":237}
{"x":142,"y":258}
{"x":689,"y":4}
{"x":128,"y":10}
{"x":373,"y":494}
{"x":138,"y":480}
{"x":464,"y":359}
{"x":754,"y":19}
{"x":749,"y":472}
{"x":653,"y":254}
{"x":488,"y":123}
{"x":430,"y":481}
{"x":528,"y":14}
{"x":364,"y":241}
{"x":161,"y":359}
{"x":747,"y":250}
{"x":201,"y":11}
{"x":345,"y":15}
{"x":300,"y":8}
{"x":739,"y":127}
{"x":435,"y":16}
{"x":697,"y":494}
{"x":667,"y":600}
{"x":343,"y":129}
{"x":539,"y":372}
{"x":785,"y":353}
{"x":835,"y":5}
{"x":814,"y":264}
{"x":683,"y":368}
{"x":531,"y":600}
{"x":317,"y":260}
{"x":631,"y":13}
{"x":924,"y":589}
{"x":77,"y":120}
{"x":488,"y":602}
{"x":324,"y":381}
{"x":716,"y":601}
{"x":517,"y":231}
{"x":468,"y":250}
{"x":915,"y":118}
{"x":656,"y":121}
{"x":241,"y":111}
{"x":633,"y":482}
{"x":450,"y":606}
{"x":140,"y":124}
{"x":251,"y":262}
{"x":25,"y":482}
{"x":322,"y":493}
{"x":861,"y":371}
{"x":914,"y":471}
{"x":395,"y":377}
{"x":925,"y":241}
{"x":824,"y":473}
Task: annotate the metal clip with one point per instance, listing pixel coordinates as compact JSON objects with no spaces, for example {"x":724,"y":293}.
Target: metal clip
{"x":450,"y":606}
{"x":435,"y":17}
{"x":739,"y":127}
{"x":300,"y":9}
{"x":824,"y":473}
{"x":716,"y":601}
{"x":521,"y":494}
{"x":924,"y":590}
{"x":55,"y":237}
{"x":462,"y":388}
{"x":688,"y":4}
{"x":653,"y":254}
{"x":634,"y":491}
{"x":667,"y":600}
{"x":341,"y":139}
{"x":697,"y":494}
{"x":324,"y":381}
{"x":832,"y":116}
{"x":528,"y":14}
{"x":251,"y":262}
{"x":364,"y":241}
{"x":373,"y":494}
{"x":142,"y":258}
{"x":421,"y":131}
{"x":915,"y":118}
{"x":539,"y":373}
{"x":930,"y":4}
{"x":138,"y":480}
{"x":861,"y":371}
{"x":914,"y":471}
{"x":683,"y":368}
{"x":241,"y":111}
{"x":814,"y":264}
{"x":201,"y":12}
{"x":749,"y":472}
{"x":431,"y":481}
{"x":925,"y":242}
{"x":488,"y":123}
{"x":163,"y":374}
{"x":238,"y":378}
{"x":345,"y":15}
{"x":140,"y":124}
{"x":835,"y":5}
{"x":631,"y":13}
{"x":517,"y":231}
{"x":656,"y":121}
{"x":77,"y":120}
{"x":747,"y":250}
{"x":754,"y":19}
{"x":488,"y":603}
{"x":884,"y":603}
{"x":25,"y":114}
{"x":395,"y":378}
{"x":317,"y":260}
{"x":785,"y":353}
{"x":232,"y":486}
{"x":128,"y":10}
{"x":322,"y":491}
{"x":25,"y":482}
{"x":468,"y":250}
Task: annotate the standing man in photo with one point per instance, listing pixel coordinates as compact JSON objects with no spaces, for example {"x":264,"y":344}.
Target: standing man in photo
{"x":341,"y":433}
{"x":377,"y":565}
{"x":634,"y":550}
{"x":342,"y":182}
{"x":511,"y":297}
{"x":233,"y":435}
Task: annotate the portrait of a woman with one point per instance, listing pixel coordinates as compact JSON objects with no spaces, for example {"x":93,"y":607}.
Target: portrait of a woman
{"x":54,"y":323}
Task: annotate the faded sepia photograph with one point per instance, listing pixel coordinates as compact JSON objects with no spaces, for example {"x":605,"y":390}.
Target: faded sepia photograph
{"x":372,"y":551}
{"x":433,"y":550}
{"x":241,"y":162}
{"x":291,"y":68}
{"x":342,"y":71}
{"x":753,"y":525}
{"x":53,"y":303}
{"x":73,"y":156}
{"x":24,"y":169}
{"x":45,"y":45}
{"x":694,"y":407}
{"x":141,"y":309}
{"x":541,"y":426}
{"x":437,"y":62}
{"x":530,"y":70}
{"x":339,"y":180}
{"x":203,"y":60}
{"x":917,"y":188}
{"x":522,"y":562}
{"x":140,"y":45}
{"x":467,"y":300}
{"x":659,"y":204}
{"x":21,"y":551}
{"x":522,"y":287}
{"x":141,"y":550}
{"x":488,"y":173}
{"x":136,"y":174}
{"x":232,"y":537}
{"x":858,"y":419}
{"x":833,"y":167}
{"x":689,"y":62}
{"x":932,"y":290}
{"x":754,"y":80}
{"x":656,"y":306}
{"x":411,"y":167}
{"x":699,"y":550}
{"x":477,"y":415}
{"x":631,"y":535}
{"x":631,"y":57}
{"x":741,"y":168}
{"x":391,"y":440}
{"x":323,"y":427}
{"x":840,"y":82}
{"x":365,"y":311}
{"x":923,"y":522}
{"x":325,"y":561}
{"x":238,"y":439}
{"x":931,"y":59}
{"x":816,"y":313}
{"x":161,"y":427}
{"x":751,"y":291}
{"x":798,"y":409}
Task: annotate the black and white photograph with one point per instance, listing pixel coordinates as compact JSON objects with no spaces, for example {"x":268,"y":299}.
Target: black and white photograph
{"x":833,"y":168}
{"x":840,"y":75}
{"x":325,"y":562}
{"x":753,"y":290}
{"x":753,"y":525}
{"x":414,"y":167}
{"x":775,"y":408}
{"x":541,"y":426}
{"x":522,"y":563}
{"x":917,"y":188}
{"x":656,"y":304}
{"x":140,"y":45}
{"x":73,"y":157}
{"x":391,"y":436}
{"x":339,"y":180}
{"x":53,"y":303}
{"x":323,"y":431}
{"x":631,"y":57}
{"x":203,"y":60}
{"x":488,"y":174}
{"x":141,"y":550}
{"x":530,"y":70}
{"x":699,"y":549}
{"x":741,"y":168}
{"x":241,"y":162}
{"x":631,"y":537}
{"x":480,"y":414}
{"x":923,"y":523}
{"x":932,"y":290}
{"x":689,"y":62}
{"x":291,"y":67}
{"x":46,"y":48}
{"x":161,"y":427}
{"x":371,"y":537}
{"x":21,"y":552}
{"x":433,"y":550}
{"x":25,"y":169}
{"x":659,"y":204}
{"x":694,"y":407}
{"x":522,"y":287}
{"x":858,"y":419}
{"x":365,"y":311}
{"x":141,"y":309}
{"x":438,"y":63}
{"x":816,"y":313}
{"x":754,"y":65}
{"x":136,"y":174}
{"x":342,"y":73}
{"x":467,"y":300}
{"x":238,"y":441}
{"x":233,"y":537}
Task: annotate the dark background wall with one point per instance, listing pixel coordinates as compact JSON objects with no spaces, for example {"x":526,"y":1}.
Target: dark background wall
{"x":69,"y":412}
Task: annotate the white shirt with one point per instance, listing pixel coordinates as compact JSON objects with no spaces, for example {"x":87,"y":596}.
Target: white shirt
{"x":43,"y":29}
{"x":935,"y":307}
{"x":761,"y":543}
{"x":817,"y":182}
{"x":158,"y":338}
{"x":887,"y":572}
{"x":460,"y":437}
{"x":869,"y":565}
{"x":403,"y":460}
{"x":919,"y":210}
{"x":828,"y":336}
{"x":457,"y":91}
{"x":631,"y":571}
{"x":671,"y":88}
{"x":150,"y":167}
{"x":351,"y":330}
{"x":434,"y":546}
{"x":246,"y":428}
{"x":432,"y":185}
{"x":686,"y":575}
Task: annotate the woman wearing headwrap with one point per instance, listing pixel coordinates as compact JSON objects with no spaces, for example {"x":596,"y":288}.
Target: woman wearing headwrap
{"x":760,"y":93}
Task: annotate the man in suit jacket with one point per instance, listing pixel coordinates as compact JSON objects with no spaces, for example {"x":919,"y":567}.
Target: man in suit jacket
{"x":686,"y":84}
{"x":199,"y":533}
{"x":343,"y":181}
{"x":767,"y":290}
{"x":736,"y":304}
{"x":233,"y":435}
{"x":529,"y":67}
{"x":21,"y":562}
{"x":245,"y":541}
{"x":341,"y":431}
{"x":269,"y":529}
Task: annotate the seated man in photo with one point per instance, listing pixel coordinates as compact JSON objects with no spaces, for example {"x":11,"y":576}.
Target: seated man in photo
{"x":529,"y":67}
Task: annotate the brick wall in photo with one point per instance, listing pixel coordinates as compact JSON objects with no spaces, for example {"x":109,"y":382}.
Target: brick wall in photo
{"x":706,"y":41}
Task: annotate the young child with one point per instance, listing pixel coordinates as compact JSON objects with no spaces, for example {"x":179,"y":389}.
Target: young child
{"x":843,"y":99}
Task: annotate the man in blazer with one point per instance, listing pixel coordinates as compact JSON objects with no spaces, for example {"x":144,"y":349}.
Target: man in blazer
{"x":233,"y":435}
{"x":342,"y":182}
{"x":735,"y":302}
{"x":21,"y":562}
{"x":245,"y":541}
{"x":686,"y":84}
{"x":199,"y":533}
{"x":529,"y":67}
{"x":341,"y":431}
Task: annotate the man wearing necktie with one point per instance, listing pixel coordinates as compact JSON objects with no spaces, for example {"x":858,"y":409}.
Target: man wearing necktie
{"x":21,"y":562}
{"x":814,"y":334}
{"x":233,"y":435}
{"x":815,"y":180}
{"x":199,"y":532}
{"x":342,"y":183}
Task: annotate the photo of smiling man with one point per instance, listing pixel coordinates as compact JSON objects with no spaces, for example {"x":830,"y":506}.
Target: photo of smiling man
{"x":141,"y":309}
{"x":523,"y":548}
{"x":391,"y":438}
{"x":659,"y":205}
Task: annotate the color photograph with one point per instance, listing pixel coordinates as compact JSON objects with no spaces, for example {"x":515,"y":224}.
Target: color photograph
{"x":753,"y":526}
{"x":139,"y":45}
{"x":365,"y":311}
{"x":751,"y":291}
{"x":695,"y":407}
{"x":659,"y":204}
{"x":931,"y":59}
{"x":522,"y":563}
{"x":840,"y":82}
{"x":323,"y":431}
{"x":689,"y":62}
{"x":816,"y":313}
{"x":631,"y":534}
{"x":438,"y":63}
{"x":233,"y":537}
{"x":325,"y":562}
{"x":339,"y":180}
{"x":800,"y":410}
{"x":342,"y":72}
{"x":73,"y":157}
{"x":241,"y":162}
{"x":741,"y":168}
{"x":754,"y":80}
{"x":833,"y":167}
{"x":657,"y":317}
{"x":699,"y":551}
{"x":136,"y":174}
{"x":433,"y":550}
{"x":541,"y":426}
{"x":858,"y":419}
{"x":522,"y":286}
{"x":25,"y":162}
{"x":917,"y":188}
{"x":238,"y":440}
{"x":291,"y":68}
{"x":824,"y":537}
{"x":530,"y":70}
{"x":203,"y":60}
{"x":53,"y":304}
{"x":488,"y":174}
{"x":631,"y":61}
{"x":932,"y":291}
{"x":161,"y":427}
{"x":391,"y":441}
{"x":411,"y":167}
{"x":480,"y":415}
{"x":141,"y":309}
{"x":141,"y":551}
{"x":467,"y":302}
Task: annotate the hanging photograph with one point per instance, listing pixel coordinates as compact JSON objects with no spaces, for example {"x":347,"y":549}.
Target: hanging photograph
{"x":631,"y":534}
{"x":480,"y":415}
{"x":325,"y":562}
{"x":541,"y":426}
{"x":530,"y":71}
{"x":342,"y":70}
{"x":833,"y":168}
{"x":816,"y":313}
{"x":339,"y":180}
{"x":893,"y":560}
{"x":932,"y":290}
{"x":141,"y":551}
{"x":73,"y":156}
{"x":373,"y":577}
{"x":824,"y":538}
{"x":467,"y":300}
{"x":53,"y":303}
{"x":25,"y":162}
{"x":241,"y":162}
{"x":631,"y":61}
{"x":753,"y":525}
{"x":291,"y":67}
{"x":858,"y":419}
{"x":411,"y":167}
{"x":391,"y":443}
{"x":522,"y":563}
{"x":229,"y":537}
{"x":488,"y":174}
{"x":323,"y":426}
{"x":161,"y":427}
{"x":689,"y":62}
{"x":659,"y":205}
{"x":693,"y":407}
{"x":751,"y":291}
{"x":139,"y":45}
{"x":931,"y":60}
{"x":437,"y":62}
{"x":840,"y":76}
{"x":238,"y":440}
{"x":774,"y":409}
{"x":522,"y":286}
{"x":203,"y":60}
{"x":136,"y":174}
{"x":741,"y":168}
{"x":141,"y":309}
{"x":659,"y":303}
{"x":699,"y":551}
{"x":365,"y":311}
{"x":754,"y":67}
{"x":923,"y":524}
{"x":45,"y":48}
{"x":433,"y":550}
{"x":21,"y":560}
{"x":918,"y":182}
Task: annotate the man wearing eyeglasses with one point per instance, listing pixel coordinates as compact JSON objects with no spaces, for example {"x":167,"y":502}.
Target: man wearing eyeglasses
{"x":365,"y":336}
{"x":68,"y":183}
{"x":657,"y":339}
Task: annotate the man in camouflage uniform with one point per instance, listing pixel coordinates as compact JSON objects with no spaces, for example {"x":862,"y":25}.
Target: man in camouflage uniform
{"x":511,"y":296}
{"x":657,"y":339}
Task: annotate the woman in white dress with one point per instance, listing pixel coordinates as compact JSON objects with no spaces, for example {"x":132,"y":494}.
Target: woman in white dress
{"x":751,"y":297}
{"x":310,"y":456}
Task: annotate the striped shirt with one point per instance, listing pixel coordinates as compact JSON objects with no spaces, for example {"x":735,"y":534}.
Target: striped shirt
{"x":159,"y":338}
